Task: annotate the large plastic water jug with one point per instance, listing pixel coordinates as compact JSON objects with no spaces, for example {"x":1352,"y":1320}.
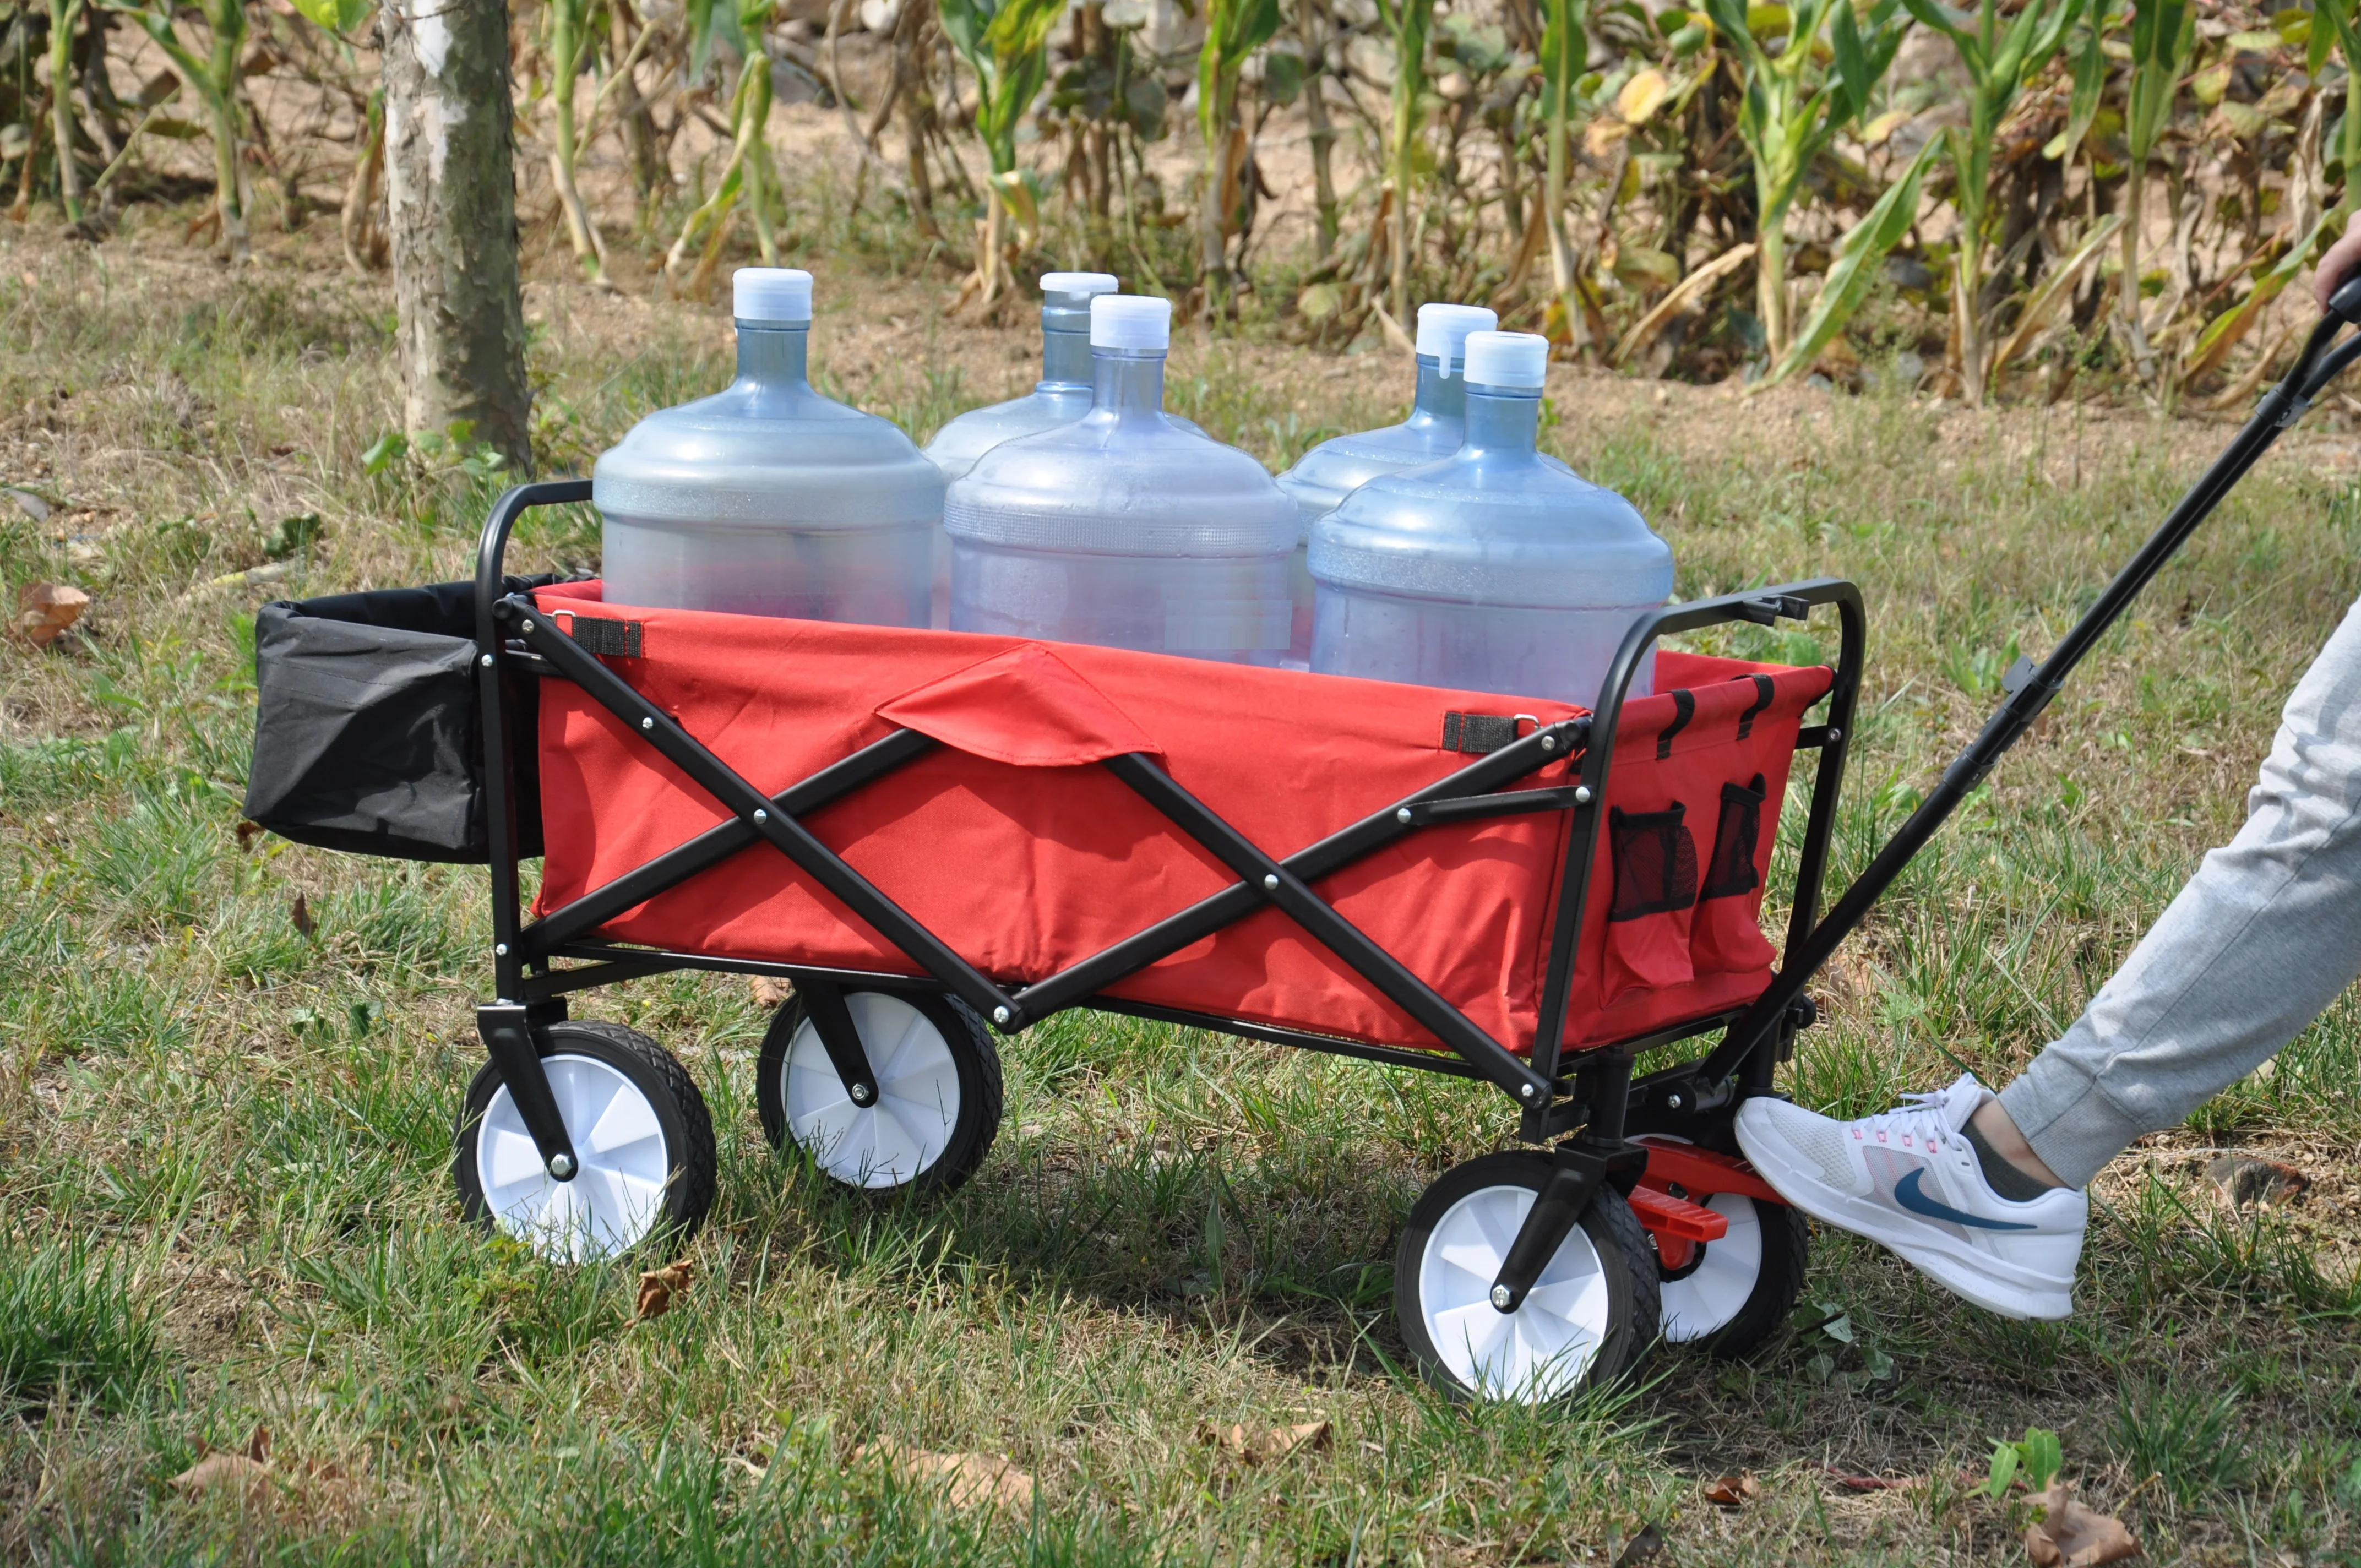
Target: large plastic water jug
{"x":768,"y":498}
{"x":1335,"y":468}
{"x":1126,"y":528}
{"x":1060,"y":397}
{"x":1496,"y":569}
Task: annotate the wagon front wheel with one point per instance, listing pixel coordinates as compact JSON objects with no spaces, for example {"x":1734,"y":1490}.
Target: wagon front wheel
{"x":1587,"y":1322}
{"x":939,"y":1091}
{"x":642,"y":1142}
{"x":1733,"y":1293}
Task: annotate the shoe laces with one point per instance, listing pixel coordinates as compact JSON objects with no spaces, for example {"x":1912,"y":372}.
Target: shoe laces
{"x":1934,"y":1115}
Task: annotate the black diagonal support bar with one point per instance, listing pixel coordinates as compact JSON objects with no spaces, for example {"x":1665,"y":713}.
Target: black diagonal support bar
{"x":1283,"y":888}
{"x":718,"y":843}
{"x":752,"y":806}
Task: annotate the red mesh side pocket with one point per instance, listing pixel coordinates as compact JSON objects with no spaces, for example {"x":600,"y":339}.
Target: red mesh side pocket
{"x":1728,"y":936}
{"x":1655,"y":894}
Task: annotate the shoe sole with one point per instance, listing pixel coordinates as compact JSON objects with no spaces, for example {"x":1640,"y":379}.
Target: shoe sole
{"x":1971,"y":1278}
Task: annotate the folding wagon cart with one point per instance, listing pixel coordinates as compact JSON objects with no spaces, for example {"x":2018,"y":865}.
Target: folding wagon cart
{"x":938,"y":838}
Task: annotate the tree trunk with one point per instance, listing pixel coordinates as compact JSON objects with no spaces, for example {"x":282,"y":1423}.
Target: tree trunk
{"x":451,"y":203}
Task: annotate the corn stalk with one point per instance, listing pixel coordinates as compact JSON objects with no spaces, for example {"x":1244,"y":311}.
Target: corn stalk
{"x":749,"y":172}
{"x":1566,"y":55}
{"x":2163,"y":34}
{"x":213,"y":76}
{"x":1005,"y":43}
{"x":1410,"y":22}
{"x":2345,"y":31}
{"x":568,"y":24}
{"x":64,"y":17}
{"x":1233,"y":30}
{"x":1793,"y":108}
{"x":1853,"y":266}
{"x":2000,"y":55}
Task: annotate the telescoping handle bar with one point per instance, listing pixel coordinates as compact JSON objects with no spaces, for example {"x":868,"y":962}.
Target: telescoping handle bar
{"x":2030,"y":686}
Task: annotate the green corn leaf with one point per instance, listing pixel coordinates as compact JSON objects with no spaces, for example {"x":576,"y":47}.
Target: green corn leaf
{"x":337,"y":17}
{"x":1852,"y":61}
{"x":2225,"y":331}
{"x":1857,"y":253}
{"x":2090,"y":79}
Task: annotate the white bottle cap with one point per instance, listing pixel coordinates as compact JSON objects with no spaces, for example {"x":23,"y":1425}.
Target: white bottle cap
{"x":1507,"y":360}
{"x":1130,"y":320}
{"x":1083,"y":283}
{"x":771,"y":294}
{"x":1443,"y":330}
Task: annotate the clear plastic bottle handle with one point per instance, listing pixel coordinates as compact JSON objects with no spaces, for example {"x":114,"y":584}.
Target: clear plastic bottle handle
{"x":1131,"y":320}
{"x":1084,"y":283}
{"x":1518,"y":360}
{"x":771,"y":294}
{"x":1443,"y":330}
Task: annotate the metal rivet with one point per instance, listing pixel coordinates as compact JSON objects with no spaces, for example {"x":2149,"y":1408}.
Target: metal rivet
{"x":1582,"y":794}
{"x":561,"y":1166}
{"x":1502,"y":1297}
{"x":860,"y":1095}
{"x":528,"y":629}
{"x":999,"y":1015}
{"x":1549,"y":742}
{"x":1674,"y":1102}
{"x":1271,"y":881}
{"x":1527,"y":1092}
{"x":501,"y":949}
{"x":1402,"y":815}
{"x":485,"y":661}
{"x":1835,"y":735}
{"x":647,"y":724}
{"x":761,"y":814}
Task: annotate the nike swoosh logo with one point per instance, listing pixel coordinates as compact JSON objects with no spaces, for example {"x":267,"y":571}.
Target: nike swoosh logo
{"x":1908,"y":1193}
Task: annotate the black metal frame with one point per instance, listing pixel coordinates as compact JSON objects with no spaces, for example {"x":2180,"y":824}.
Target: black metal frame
{"x":530,"y":986}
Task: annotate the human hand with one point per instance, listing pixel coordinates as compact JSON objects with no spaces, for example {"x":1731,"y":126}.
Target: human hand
{"x":2338,"y":265}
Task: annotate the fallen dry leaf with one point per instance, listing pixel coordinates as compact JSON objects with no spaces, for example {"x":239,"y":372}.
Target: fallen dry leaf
{"x":2069,"y":1535}
{"x":1732,"y":1491}
{"x":1851,"y":1482}
{"x":245,"y":1471}
{"x":44,"y":610}
{"x":658,"y":1287}
{"x":2243,"y":1180}
{"x":248,"y":832}
{"x":769,"y":992}
{"x":984,"y":1480}
{"x":1260,"y":1445}
{"x":300,"y":915}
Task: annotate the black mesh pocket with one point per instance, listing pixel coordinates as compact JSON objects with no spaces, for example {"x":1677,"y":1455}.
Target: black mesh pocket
{"x":1656,"y":861}
{"x":1731,"y":872}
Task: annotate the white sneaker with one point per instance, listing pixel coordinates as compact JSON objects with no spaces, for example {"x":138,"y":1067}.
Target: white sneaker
{"x":1910,"y":1180}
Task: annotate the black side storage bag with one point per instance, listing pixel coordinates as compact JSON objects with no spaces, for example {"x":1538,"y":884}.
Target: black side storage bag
{"x":369,"y":730}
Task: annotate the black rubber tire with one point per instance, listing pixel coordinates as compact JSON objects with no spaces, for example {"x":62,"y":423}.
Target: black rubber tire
{"x":974,"y":1057}
{"x":1626,"y":1258}
{"x":1787,"y":1251}
{"x":680,"y":1110}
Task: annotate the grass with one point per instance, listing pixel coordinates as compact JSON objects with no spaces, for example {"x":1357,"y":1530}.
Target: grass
{"x":224,"y":1201}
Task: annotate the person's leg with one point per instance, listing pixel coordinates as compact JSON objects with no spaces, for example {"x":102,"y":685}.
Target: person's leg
{"x":2262,"y":939}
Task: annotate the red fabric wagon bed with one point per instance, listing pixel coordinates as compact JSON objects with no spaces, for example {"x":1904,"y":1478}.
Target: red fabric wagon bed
{"x":1021,"y":854}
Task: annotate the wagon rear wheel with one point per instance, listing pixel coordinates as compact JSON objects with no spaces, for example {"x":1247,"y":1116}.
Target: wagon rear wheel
{"x":642,"y":1140}
{"x":939,"y":1091}
{"x":1732,"y":1294}
{"x":1587,"y":1322}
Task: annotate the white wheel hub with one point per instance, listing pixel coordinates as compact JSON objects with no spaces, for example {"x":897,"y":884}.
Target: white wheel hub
{"x":616,"y":1195}
{"x":1543,"y":1348}
{"x":1706,"y":1299}
{"x":893,"y":1142}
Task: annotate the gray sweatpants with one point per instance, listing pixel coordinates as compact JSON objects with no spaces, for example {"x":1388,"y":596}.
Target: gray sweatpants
{"x":2264,"y":937}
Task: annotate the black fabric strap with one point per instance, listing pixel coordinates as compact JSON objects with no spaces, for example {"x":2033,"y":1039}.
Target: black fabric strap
{"x":1478,"y":733}
{"x":1765,"y":690}
{"x":1684,"y":710}
{"x":608,"y":639}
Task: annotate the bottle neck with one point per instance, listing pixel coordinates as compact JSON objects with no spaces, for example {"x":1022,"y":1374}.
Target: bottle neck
{"x":1503,"y":421}
{"x":773,"y":353}
{"x":1126,"y":383}
{"x":1442,"y":400}
{"x":1065,"y":357}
